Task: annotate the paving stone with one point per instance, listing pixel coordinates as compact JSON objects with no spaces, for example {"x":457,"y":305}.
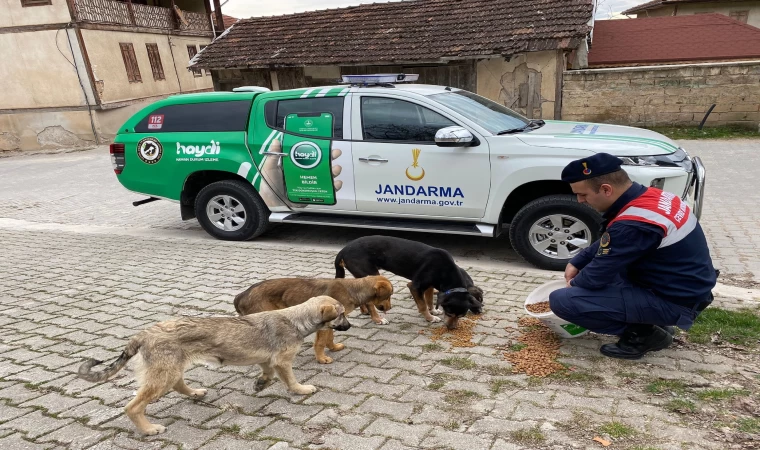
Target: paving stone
{"x":18,"y":393}
{"x":35,"y":375}
{"x":76,"y":436}
{"x":233,"y":443}
{"x":327,"y":398}
{"x":601,"y":405}
{"x":338,"y":439}
{"x":35,"y":424}
{"x":294,"y":412}
{"x":244,"y":403}
{"x":528,"y":411}
{"x":331,"y":417}
{"x":372,"y":373}
{"x":185,"y":435}
{"x":449,"y":439}
{"x":93,"y":412}
{"x":408,"y":434}
{"x":247,"y":424}
{"x":393,"y":444}
{"x":285,"y":431}
{"x":499,"y":426}
{"x":10,"y":412}
{"x":16,"y":441}
{"x":397,"y":410}
{"x":192,"y":411}
{"x":54,"y":402}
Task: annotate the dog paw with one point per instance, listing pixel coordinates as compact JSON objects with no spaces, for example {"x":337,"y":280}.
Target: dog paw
{"x":324,"y":360}
{"x":382,"y":321}
{"x":434,"y":319}
{"x":154,"y":429}
{"x":437,"y":311}
{"x":337,"y":347}
{"x":198,"y":393}
{"x":305,"y":389}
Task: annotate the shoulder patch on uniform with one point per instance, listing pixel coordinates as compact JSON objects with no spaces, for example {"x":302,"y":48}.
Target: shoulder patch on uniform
{"x":604,"y":241}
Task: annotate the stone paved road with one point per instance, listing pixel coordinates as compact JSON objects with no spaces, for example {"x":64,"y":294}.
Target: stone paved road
{"x":82,"y":271}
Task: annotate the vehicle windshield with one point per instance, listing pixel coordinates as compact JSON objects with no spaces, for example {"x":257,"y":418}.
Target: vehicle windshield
{"x":486,"y":113}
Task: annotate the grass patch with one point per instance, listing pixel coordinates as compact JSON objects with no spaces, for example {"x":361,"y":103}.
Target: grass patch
{"x":535,"y":381}
{"x":495,"y":370}
{"x":740,"y":327}
{"x":749,"y":425}
{"x":639,"y":447}
{"x":617,"y":430}
{"x":406,"y":357}
{"x":435,"y":385}
{"x":662,"y":386}
{"x":720,"y":394}
{"x":453,"y":425}
{"x":680,"y":405}
{"x":529,"y":436}
{"x":458,"y":363}
{"x":578,"y":375}
{"x":722,"y":132}
{"x":631,"y":375}
{"x":497,"y":384}
{"x":434,"y":347}
{"x":235,"y":428}
{"x":454,"y":397}
{"x":517,"y":347}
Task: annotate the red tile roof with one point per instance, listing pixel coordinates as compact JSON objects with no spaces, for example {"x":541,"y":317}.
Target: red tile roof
{"x":406,"y":31}
{"x":654,"y":4}
{"x":228,"y":20}
{"x":656,"y":40}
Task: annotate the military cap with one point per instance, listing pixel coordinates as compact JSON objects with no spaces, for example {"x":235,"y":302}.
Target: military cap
{"x":593,"y":166}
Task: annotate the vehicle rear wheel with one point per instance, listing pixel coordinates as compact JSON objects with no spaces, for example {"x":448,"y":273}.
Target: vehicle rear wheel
{"x":550,"y":231}
{"x":231,"y":210}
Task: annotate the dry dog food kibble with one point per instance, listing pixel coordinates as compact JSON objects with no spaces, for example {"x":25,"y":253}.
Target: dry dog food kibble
{"x":461,"y":336}
{"x":538,"y":308}
{"x":538,"y":357}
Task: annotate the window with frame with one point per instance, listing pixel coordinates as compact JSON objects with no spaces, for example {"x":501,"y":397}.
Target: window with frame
{"x":741,"y":16}
{"x":192,"y":50}
{"x":25,"y":3}
{"x":207,"y":71}
{"x":200,"y":117}
{"x":390,"y":119}
{"x":130,"y":62}
{"x":155,"y":62}
{"x":276,"y":110}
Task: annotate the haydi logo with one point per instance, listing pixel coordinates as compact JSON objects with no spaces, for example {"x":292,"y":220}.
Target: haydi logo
{"x":306,"y":155}
{"x":199,"y":150}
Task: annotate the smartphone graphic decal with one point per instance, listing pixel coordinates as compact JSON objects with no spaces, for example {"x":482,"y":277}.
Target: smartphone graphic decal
{"x":308,"y":166}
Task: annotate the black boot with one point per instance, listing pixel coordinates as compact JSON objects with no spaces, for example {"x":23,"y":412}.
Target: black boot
{"x":636,"y":341}
{"x":670,"y":330}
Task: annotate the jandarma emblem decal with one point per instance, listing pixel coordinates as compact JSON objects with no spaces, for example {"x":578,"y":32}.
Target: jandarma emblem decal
{"x":418,"y":172}
{"x":149,"y":150}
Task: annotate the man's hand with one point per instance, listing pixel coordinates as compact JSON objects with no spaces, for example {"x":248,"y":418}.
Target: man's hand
{"x":570,"y":272}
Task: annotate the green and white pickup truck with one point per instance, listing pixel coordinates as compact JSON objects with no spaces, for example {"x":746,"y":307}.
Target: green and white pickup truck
{"x":390,"y":156}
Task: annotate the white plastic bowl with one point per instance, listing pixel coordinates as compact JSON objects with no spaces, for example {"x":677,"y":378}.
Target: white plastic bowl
{"x":562,"y":327}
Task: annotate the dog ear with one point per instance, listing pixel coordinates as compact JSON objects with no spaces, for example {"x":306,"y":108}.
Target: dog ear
{"x":383,"y":289}
{"x":328,"y":312}
{"x":476,"y":292}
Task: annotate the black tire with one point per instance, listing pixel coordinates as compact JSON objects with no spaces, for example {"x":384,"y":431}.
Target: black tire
{"x":241,"y":193}
{"x":566,"y":205}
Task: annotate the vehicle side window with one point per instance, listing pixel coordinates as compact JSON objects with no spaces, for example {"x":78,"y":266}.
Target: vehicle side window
{"x":275,"y":111}
{"x":389,"y":119}
{"x":198,"y":117}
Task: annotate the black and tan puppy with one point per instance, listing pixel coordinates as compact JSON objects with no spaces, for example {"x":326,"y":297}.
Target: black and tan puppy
{"x":281,"y":293}
{"x":271,"y":339}
{"x":427,"y":267}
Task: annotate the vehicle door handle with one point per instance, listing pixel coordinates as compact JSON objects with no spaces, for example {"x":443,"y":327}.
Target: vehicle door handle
{"x":275,"y":154}
{"x":373,"y":160}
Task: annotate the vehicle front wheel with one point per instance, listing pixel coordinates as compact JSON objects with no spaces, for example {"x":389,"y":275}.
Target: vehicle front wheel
{"x":231,"y":210}
{"x":548,"y":232}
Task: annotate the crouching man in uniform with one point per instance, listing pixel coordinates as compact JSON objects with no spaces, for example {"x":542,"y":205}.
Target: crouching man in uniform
{"x":650,"y":270}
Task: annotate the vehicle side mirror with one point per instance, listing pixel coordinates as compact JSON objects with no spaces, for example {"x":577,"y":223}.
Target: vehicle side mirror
{"x":453,"y":137}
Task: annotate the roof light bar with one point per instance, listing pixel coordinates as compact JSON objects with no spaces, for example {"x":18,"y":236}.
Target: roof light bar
{"x":380,"y":78}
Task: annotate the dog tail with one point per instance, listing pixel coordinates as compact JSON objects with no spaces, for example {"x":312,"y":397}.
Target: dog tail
{"x":340,"y":266}
{"x":85,"y":370}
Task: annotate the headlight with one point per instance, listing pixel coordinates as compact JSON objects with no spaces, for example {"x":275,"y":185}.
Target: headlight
{"x":639,"y":160}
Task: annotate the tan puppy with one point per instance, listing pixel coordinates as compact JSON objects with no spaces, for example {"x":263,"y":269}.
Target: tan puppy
{"x":271,"y":339}
{"x":351,"y":293}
